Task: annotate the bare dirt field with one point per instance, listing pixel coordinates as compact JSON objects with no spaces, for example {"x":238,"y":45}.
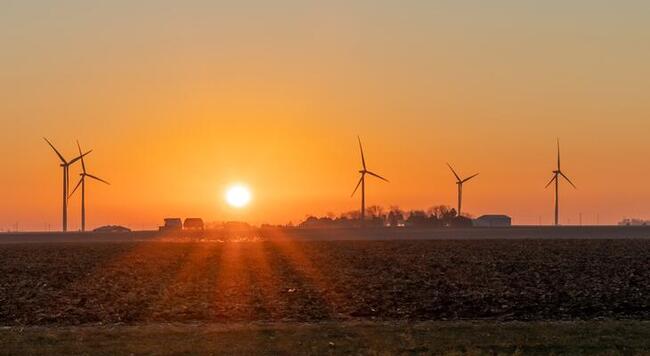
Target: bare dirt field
{"x":75,"y":283}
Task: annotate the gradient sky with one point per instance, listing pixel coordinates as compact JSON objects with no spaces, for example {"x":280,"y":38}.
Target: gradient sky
{"x":179,"y":99}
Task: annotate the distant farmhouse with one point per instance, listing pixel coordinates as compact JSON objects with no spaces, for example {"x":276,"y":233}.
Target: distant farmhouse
{"x":492,"y":221}
{"x":172,"y":224}
{"x":176,"y":224}
{"x":193,"y":224}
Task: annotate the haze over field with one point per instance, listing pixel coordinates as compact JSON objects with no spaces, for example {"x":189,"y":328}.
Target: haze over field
{"x":180,"y":102}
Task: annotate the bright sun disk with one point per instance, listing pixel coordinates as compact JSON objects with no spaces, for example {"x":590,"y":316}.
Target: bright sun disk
{"x":238,"y":196}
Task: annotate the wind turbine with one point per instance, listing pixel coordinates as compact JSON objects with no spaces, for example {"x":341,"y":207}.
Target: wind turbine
{"x":82,"y":182}
{"x":362,"y":182}
{"x":460,"y":182}
{"x":556,"y":177}
{"x":65,"y":165}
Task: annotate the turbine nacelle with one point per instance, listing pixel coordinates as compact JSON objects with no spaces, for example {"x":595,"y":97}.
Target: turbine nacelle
{"x":65,"y":164}
{"x":82,"y":183}
{"x":84,"y":174}
{"x":557,"y":173}
{"x":459,"y":183}
{"x":362,"y":181}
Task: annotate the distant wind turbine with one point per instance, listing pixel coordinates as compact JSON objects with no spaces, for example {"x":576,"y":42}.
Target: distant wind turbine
{"x":82,"y":182}
{"x":65,"y":165}
{"x":556,"y":177}
{"x":460,"y":183}
{"x":362,"y":182}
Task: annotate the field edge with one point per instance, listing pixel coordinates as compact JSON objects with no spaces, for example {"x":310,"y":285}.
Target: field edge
{"x":474,"y":337}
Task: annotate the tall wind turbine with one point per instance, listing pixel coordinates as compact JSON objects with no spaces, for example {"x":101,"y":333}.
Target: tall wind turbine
{"x":82,"y":182}
{"x":362,"y":182}
{"x":460,"y":183}
{"x":556,"y":177}
{"x":65,"y":165}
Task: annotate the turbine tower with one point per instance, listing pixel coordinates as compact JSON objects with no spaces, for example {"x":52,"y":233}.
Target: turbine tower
{"x":65,"y":165}
{"x":460,"y":182}
{"x":556,"y":177}
{"x":362,"y":183}
{"x":82,"y":182}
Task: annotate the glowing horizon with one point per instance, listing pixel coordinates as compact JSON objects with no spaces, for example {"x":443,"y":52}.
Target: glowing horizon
{"x":178,"y":102}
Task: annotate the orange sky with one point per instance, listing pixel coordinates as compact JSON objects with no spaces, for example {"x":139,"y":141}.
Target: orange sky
{"x":179,"y":100}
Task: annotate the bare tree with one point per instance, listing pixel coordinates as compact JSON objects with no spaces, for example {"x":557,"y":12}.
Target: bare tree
{"x":375,"y":211}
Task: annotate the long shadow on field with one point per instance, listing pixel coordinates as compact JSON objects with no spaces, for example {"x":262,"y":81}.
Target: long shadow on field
{"x":316,"y":290}
{"x":291,"y":280}
{"x":188,"y":297}
{"x":37,"y":280}
{"x":122,"y":289}
{"x":232,"y":295}
{"x":269,"y":295}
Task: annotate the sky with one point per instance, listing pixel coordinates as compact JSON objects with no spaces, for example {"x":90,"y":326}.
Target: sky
{"x":181,"y":99}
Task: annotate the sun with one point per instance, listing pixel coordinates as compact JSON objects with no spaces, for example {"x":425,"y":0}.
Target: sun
{"x":238,"y":196}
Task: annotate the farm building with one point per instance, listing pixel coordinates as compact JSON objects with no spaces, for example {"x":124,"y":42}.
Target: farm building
{"x":193,"y":224}
{"x":112,"y":228}
{"x":172,"y":224}
{"x":492,"y":221}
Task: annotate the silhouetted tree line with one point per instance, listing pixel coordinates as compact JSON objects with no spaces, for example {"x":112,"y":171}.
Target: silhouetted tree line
{"x":634,"y":222}
{"x":436,"y":216}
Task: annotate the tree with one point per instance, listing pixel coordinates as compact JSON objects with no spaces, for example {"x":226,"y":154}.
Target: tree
{"x":375,"y":211}
{"x":395,"y":216}
{"x":442,"y":212}
{"x":352,"y":215}
{"x":450,"y":214}
{"x":417,"y":218}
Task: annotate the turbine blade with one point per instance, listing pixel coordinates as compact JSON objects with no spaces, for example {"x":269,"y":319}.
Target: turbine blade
{"x":558,"y":154}
{"x":454,"y":172}
{"x":363,"y":159}
{"x":96,"y":178}
{"x":468,"y":178}
{"x":551,"y":181}
{"x":568,"y":180}
{"x":78,"y":158}
{"x":83,"y":164}
{"x":378,"y":176}
{"x":76,"y":186}
{"x":357,"y":187}
{"x":55,"y":150}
